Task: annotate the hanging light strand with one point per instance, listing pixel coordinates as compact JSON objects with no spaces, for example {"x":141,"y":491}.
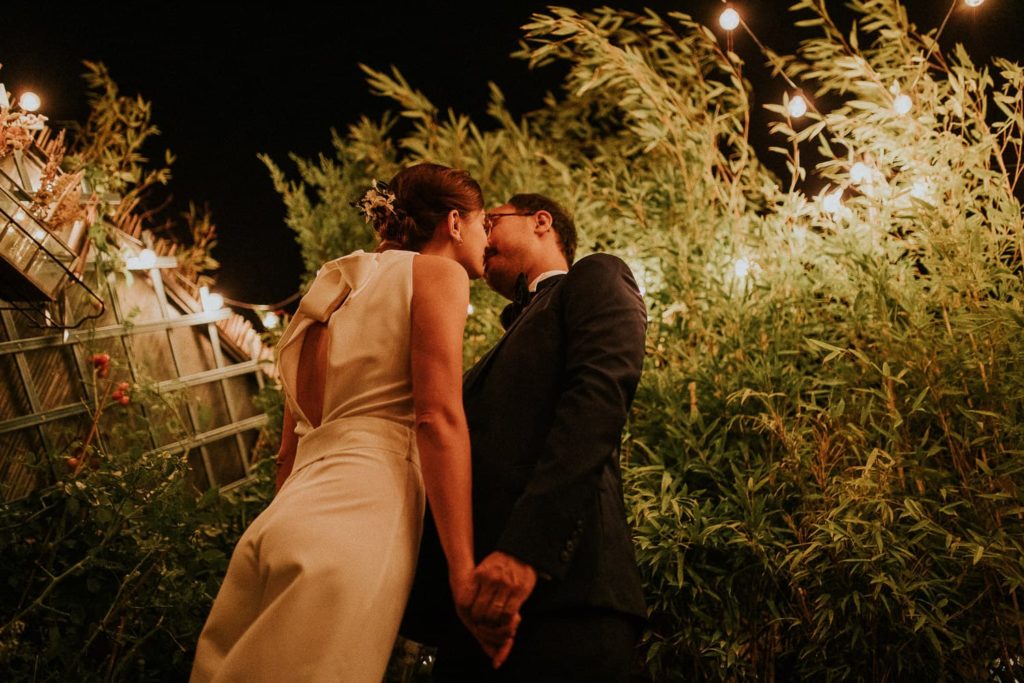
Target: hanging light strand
{"x":263,"y":307}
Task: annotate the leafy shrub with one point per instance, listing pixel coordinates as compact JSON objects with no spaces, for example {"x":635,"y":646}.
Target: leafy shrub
{"x":823,"y":462}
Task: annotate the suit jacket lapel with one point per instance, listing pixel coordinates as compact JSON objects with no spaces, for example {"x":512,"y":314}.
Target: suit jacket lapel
{"x":474,"y":374}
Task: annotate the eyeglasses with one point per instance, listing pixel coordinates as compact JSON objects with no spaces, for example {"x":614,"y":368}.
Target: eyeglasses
{"x":489,"y":218}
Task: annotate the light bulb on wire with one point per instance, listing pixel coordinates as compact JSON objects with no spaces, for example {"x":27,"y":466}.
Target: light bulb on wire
{"x":211,"y":301}
{"x":729,"y":19}
{"x":270,"y":320}
{"x":741,"y":268}
{"x":797,"y":106}
{"x":146,"y":259}
{"x":29,"y":101}
{"x":859,"y":173}
{"x":973,"y":3}
{"x":902,"y":104}
{"x":833,"y":202}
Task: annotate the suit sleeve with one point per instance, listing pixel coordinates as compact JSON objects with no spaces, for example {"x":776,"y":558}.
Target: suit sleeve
{"x":605,"y":322}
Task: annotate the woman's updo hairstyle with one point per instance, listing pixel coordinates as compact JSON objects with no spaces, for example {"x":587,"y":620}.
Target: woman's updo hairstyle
{"x":406,"y":211}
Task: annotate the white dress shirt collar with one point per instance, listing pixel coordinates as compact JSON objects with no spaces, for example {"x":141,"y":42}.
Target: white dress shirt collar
{"x":544,"y":276}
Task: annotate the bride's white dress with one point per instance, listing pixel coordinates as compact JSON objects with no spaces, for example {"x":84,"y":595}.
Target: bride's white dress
{"x":317,"y":584}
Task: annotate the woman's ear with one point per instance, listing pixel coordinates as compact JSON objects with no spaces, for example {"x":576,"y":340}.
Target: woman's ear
{"x":455,"y":226}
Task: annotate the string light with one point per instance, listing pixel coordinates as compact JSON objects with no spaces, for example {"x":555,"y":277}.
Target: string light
{"x":797,"y":106}
{"x":470,"y":310}
{"x":741,"y":268}
{"x":902,"y":104}
{"x":833,"y":202}
{"x":146,"y":259}
{"x":923,"y":190}
{"x":29,"y":101}
{"x":729,"y":19}
{"x":859,"y":173}
{"x":270,"y":320}
{"x":973,"y":3}
{"x":211,"y":300}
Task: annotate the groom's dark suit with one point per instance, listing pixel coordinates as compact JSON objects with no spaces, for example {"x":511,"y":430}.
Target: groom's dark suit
{"x":546,"y":407}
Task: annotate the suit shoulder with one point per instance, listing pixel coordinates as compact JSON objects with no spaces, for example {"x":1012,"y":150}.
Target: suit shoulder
{"x":598,"y":266}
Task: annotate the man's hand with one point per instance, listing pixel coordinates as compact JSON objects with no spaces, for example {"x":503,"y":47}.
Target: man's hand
{"x":503,"y":585}
{"x":495,"y":639}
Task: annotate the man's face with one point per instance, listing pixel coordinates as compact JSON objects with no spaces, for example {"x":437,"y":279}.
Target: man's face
{"x":510,"y":243}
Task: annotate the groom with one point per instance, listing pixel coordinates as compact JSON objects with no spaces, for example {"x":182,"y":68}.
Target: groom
{"x":545,"y":407}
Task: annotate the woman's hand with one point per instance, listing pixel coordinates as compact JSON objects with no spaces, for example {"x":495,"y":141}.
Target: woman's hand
{"x":496,"y":639}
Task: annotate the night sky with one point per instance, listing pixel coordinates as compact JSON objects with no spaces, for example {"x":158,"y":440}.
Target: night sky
{"x":227,"y":84}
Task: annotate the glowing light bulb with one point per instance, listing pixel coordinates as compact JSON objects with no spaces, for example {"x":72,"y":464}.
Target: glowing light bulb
{"x":729,"y":19}
{"x":797,"y":106}
{"x":29,"y":101}
{"x":470,"y":310}
{"x":902,"y":104}
{"x":270,"y":320}
{"x":741,"y":268}
{"x":19,"y":216}
{"x":860,"y":172}
{"x":146,"y":259}
{"x":923,"y":190}
{"x":973,"y":3}
{"x":211,"y":300}
{"x":833,"y":202}
{"x":38,"y":234}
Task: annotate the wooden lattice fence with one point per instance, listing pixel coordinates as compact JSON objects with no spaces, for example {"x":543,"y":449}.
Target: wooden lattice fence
{"x":202,"y":368}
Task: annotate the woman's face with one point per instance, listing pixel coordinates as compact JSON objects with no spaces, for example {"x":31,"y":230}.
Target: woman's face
{"x":474,"y":241}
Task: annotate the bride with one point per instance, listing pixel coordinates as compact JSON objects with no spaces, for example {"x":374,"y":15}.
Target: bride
{"x":371,"y":367}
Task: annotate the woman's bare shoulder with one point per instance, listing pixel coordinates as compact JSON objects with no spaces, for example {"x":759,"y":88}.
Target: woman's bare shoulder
{"x":438,"y":271}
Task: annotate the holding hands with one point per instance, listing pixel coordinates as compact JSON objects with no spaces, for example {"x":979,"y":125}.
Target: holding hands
{"x":488,"y":601}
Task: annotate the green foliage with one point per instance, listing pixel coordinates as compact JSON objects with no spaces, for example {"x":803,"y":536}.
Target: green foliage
{"x":823,"y":464}
{"x":111,"y":565}
{"x":127,"y":188}
{"x":110,"y":143}
{"x":109,"y":574}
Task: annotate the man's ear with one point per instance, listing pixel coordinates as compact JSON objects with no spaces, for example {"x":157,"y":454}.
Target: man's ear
{"x":544,"y":222}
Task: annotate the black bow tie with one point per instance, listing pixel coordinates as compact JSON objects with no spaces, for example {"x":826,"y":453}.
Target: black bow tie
{"x":521,"y":298}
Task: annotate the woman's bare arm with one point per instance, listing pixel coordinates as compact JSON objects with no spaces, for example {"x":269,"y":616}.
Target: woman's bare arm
{"x":439,"y":302}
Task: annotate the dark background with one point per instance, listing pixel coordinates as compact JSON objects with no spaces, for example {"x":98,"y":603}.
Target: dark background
{"x":227,"y":83}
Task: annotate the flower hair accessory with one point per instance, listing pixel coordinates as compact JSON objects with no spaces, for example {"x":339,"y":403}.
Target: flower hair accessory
{"x":377,"y":203}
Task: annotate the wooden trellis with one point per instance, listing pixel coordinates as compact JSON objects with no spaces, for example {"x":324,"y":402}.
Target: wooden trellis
{"x":208,"y":365}
{"x":158,"y":335}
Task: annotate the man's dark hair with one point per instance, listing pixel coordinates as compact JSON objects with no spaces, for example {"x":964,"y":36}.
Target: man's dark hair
{"x":561,"y":220}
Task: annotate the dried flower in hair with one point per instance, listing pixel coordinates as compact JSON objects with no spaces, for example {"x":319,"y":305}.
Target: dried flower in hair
{"x":377,"y":203}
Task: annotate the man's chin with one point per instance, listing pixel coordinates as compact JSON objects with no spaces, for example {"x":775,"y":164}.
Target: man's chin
{"x":495,"y":280}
